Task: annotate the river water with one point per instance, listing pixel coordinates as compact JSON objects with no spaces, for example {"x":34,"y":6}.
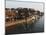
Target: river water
{"x":38,"y":26}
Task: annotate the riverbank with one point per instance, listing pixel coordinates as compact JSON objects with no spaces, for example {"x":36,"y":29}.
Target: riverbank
{"x":21,"y":26}
{"x":29,"y":19}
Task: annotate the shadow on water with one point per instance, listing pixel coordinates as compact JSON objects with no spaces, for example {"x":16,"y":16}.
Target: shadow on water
{"x":38,"y":26}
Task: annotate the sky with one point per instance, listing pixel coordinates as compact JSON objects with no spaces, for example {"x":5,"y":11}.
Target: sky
{"x":16,"y":4}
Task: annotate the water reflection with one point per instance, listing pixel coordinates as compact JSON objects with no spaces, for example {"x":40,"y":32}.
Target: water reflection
{"x":38,"y":26}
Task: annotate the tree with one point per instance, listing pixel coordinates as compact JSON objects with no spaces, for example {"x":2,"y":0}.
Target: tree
{"x":32,"y":11}
{"x":38,"y":12}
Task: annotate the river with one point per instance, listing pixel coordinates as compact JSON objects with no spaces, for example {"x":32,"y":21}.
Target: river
{"x":38,"y":26}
